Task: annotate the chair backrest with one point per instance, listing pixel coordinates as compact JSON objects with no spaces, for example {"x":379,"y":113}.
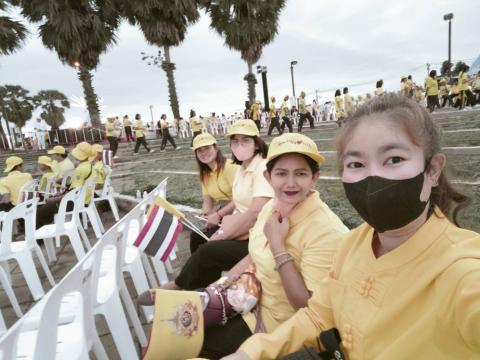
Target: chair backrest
{"x":50,"y":185}
{"x":27,"y":191}
{"x":107,"y":184}
{"x":107,"y":271}
{"x":8,"y":341}
{"x":88,"y":186}
{"x":71,"y":196}
{"x":66,"y":178}
{"x":27,"y":211}
{"x":79,"y":283}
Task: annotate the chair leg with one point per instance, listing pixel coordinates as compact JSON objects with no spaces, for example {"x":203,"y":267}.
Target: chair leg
{"x":76,"y":243}
{"x":84,"y":237}
{"x":141,"y":284}
{"x":113,"y":206}
{"x":50,"y":249}
{"x":149,"y":271}
{"x":132,"y":314}
{"x":95,"y":221}
{"x":25,"y":262}
{"x":84,"y":220}
{"x":168,"y":266}
{"x":9,"y":291}
{"x":160,"y":270}
{"x":44,"y":265}
{"x":99,"y":219}
{"x":118,"y":326}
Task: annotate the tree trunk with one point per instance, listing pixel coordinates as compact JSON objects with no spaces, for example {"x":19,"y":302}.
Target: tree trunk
{"x":251,"y":81}
{"x":169,"y":67}
{"x":90,"y":97}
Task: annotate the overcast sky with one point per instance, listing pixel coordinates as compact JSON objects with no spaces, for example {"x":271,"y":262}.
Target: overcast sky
{"x":336,"y":44}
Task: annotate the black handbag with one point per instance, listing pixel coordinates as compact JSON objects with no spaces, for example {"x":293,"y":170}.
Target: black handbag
{"x":330,"y":339}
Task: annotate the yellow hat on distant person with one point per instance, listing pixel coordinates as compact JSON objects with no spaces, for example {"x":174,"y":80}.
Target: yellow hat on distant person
{"x":203,"y":140}
{"x":294,"y":143}
{"x":82,"y":151}
{"x":243,"y":127}
{"x":257,"y":101}
{"x":45,"y":160}
{"x":96,"y":148}
{"x":59,"y":150}
{"x":11,"y":162}
{"x":403,"y":77}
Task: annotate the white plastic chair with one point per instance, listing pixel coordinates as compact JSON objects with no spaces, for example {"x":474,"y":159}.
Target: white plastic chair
{"x":66,"y":179}
{"x":106,"y":193}
{"x":27,"y":190}
{"x":108,"y":285}
{"x":50,"y":337}
{"x":7,"y":287}
{"x":62,"y":226}
{"x":22,"y":251}
{"x":90,"y":210}
{"x":8,"y":342}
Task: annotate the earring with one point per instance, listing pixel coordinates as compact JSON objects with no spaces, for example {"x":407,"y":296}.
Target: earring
{"x":434,"y":182}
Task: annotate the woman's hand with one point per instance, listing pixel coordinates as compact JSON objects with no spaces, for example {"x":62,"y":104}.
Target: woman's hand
{"x":226,"y":229}
{"x":276,"y":231}
{"x":212,"y":220}
{"x":239,"y":355}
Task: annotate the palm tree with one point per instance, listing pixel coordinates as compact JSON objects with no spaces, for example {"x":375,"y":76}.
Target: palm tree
{"x":16,"y":106}
{"x":79,"y":31}
{"x":164,"y":24}
{"x":12,"y":33}
{"x":53,"y":103}
{"x":247,"y":26}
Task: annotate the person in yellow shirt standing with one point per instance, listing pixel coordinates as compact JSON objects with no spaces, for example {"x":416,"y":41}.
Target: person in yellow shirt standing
{"x":403,"y":88}
{"x":112,"y":131}
{"x":285,"y":115}
{"x":195,"y":125}
{"x":431,"y":87}
{"x":127,"y":126}
{"x":339,"y":108}
{"x":443,"y":91}
{"x":304,"y":114}
{"x":13,"y":182}
{"x":349,"y":105}
{"x":140,"y":135}
{"x":45,"y":165}
{"x":463,"y":84}
{"x":379,"y":88}
{"x":476,"y":89}
{"x":99,"y":171}
{"x":409,"y":87}
{"x":406,"y":283}
{"x":274,"y":123}
{"x":61,"y":164}
{"x":166,"y":134}
{"x":255,"y":113}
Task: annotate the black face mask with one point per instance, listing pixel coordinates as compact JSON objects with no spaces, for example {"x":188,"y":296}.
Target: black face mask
{"x":387,"y":204}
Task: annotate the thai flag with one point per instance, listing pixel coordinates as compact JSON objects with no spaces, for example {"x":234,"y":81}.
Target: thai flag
{"x":159,"y":234}
{"x":107,"y":157}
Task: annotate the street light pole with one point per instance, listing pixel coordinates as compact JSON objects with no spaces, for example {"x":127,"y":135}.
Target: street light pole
{"x":151,"y":114}
{"x":449,"y":17}
{"x":263,"y":71}
{"x":292,"y":63}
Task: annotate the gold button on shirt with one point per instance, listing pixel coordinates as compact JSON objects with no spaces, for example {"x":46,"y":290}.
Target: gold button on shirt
{"x":13,"y":182}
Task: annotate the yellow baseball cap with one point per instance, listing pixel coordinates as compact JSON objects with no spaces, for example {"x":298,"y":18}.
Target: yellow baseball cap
{"x":403,"y":77}
{"x":243,"y":127}
{"x":82,"y":151}
{"x":11,"y":162}
{"x":203,"y":140}
{"x":44,"y":160}
{"x":96,"y":148}
{"x":294,"y":143}
{"x":59,"y":150}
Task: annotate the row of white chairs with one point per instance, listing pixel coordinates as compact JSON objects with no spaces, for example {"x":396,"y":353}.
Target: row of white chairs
{"x":102,"y":268}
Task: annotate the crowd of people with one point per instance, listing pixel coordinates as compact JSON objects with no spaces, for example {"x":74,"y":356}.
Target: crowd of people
{"x":404,"y":284}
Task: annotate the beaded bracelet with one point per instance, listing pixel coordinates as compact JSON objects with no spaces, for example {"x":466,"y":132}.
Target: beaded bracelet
{"x":280,"y":253}
{"x":282,"y":262}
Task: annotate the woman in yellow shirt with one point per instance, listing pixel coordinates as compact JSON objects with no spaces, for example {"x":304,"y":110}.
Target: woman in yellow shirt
{"x":216,"y":177}
{"x":431,"y":88}
{"x":291,"y":244}
{"x":140,"y":135}
{"x":406,"y":283}
{"x":339,"y":108}
{"x":45,"y":165}
{"x":379,"y":88}
{"x":195,"y":125}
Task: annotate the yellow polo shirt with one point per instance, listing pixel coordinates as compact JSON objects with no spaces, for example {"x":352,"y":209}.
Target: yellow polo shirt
{"x":42,"y":186}
{"x":219,"y":186}
{"x":60,"y":168}
{"x":254,"y":111}
{"x":302,"y":105}
{"x":83,"y":172}
{"x":443,"y":90}
{"x":127,"y":122}
{"x":250,"y":183}
{"x":139,"y":129}
{"x":273,"y":110}
{"x":379,"y":91}
{"x":349,"y":108}
{"x":463,"y":81}
{"x":99,"y":172}
{"x":13,"y":182}
{"x":283,"y":109}
{"x":110,"y":129}
{"x":431,"y":86}
{"x":195,"y":124}
{"x":476,"y":84}
{"x":419,"y":301}
{"x":314,"y":235}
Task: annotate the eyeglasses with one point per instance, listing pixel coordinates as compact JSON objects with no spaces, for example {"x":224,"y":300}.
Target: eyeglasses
{"x":243,"y":142}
